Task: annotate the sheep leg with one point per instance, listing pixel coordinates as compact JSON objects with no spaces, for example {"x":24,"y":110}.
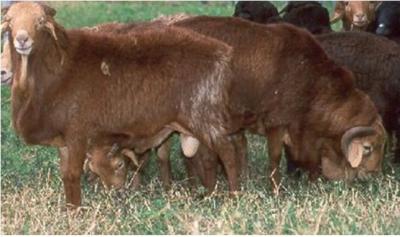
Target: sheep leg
{"x":209,"y":176}
{"x":397,"y":145}
{"x":241,"y":150}
{"x":71,"y":165}
{"x":227,"y":153}
{"x":163,"y":153}
{"x":275,"y":143}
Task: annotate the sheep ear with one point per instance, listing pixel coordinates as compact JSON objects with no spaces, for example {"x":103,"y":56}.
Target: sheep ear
{"x":355,"y":153}
{"x":131,"y":155}
{"x":49,"y":11}
{"x":4,"y":11}
{"x":50,"y":27}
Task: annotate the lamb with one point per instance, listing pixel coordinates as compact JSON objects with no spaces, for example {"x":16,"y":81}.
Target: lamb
{"x":310,"y":15}
{"x":55,"y":102}
{"x":355,"y":15}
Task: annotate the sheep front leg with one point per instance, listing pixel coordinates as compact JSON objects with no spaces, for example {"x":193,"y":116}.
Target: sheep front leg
{"x":275,"y":144}
{"x":71,"y":165}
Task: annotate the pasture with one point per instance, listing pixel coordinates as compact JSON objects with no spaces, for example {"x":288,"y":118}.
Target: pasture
{"x":32,"y":195}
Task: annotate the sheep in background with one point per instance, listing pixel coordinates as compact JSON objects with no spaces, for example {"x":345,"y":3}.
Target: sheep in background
{"x":257,"y":11}
{"x":388,"y":21}
{"x":310,"y":15}
{"x":355,"y":15}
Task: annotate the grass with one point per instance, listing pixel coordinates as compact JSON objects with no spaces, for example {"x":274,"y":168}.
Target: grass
{"x":32,"y":198}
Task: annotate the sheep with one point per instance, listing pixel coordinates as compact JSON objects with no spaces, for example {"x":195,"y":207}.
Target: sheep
{"x":375,"y":62}
{"x":6,"y":67}
{"x":310,"y":15}
{"x":330,"y":120}
{"x":388,"y":21}
{"x":258,"y":11}
{"x":120,"y":68}
{"x":259,"y":95}
{"x":355,"y":15}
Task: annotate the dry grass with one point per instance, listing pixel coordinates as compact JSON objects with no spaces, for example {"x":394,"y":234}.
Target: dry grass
{"x":32,"y":198}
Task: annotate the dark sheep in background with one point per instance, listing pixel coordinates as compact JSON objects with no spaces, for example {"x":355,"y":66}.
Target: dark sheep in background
{"x":310,"y":15}
{"x":388,"y":20}
{"x":257,"y":11}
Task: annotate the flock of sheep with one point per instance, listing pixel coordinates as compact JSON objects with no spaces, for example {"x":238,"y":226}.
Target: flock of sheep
{"x":106,"y":95}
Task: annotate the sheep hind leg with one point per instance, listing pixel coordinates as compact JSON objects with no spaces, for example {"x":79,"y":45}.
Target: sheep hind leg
{"x":241,"y":151}
{"x":227,"y":154}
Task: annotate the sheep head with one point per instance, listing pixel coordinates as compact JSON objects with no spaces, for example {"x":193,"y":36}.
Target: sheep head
{"x":363,"y":150}
{"x":356,"y":15}
{"x":111,"y":164}
{"x":27,"y":22}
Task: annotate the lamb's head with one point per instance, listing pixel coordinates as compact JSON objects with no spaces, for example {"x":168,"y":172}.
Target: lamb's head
{"x":28,"y":22}
{"x":111,"y":164}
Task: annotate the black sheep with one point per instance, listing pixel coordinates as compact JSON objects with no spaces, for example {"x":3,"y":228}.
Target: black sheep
{"x":257,"y":11}
{"x":310,"y":15}
{"x":388,"y":20}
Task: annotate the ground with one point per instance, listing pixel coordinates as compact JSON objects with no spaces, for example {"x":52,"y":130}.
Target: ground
{"x":32,"y":197}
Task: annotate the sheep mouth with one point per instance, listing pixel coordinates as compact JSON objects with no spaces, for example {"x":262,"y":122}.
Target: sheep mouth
{"x":360,"y":23}
{"x":6,"y":78}
{"x":24,"y":50}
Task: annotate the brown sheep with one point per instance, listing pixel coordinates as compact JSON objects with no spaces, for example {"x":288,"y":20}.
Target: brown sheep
{"x":267,"y":88}
{"x":55,"y":97}
{"x":375,"y":62}
{"x":6,"y":67}
{"x":355,"y":15}
{"x":271,"y":76}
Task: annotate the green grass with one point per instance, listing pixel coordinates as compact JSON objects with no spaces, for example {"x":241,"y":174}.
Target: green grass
{"x":32,"y":198}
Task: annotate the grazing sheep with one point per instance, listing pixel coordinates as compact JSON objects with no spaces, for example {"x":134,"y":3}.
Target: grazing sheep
{"x":251,"y":91}
{"x":355,"y":15}
{"x":258,"y":11}
{"x":59,"y":75}
{"x":388,"y":20}
{"x":266,"y":93}
{"x":375,"y":62}
{"x":310,"y":15}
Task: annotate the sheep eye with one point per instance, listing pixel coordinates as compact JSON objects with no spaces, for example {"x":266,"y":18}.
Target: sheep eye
{"x":41,"y":21}
{"x":367,"y":150}
{"x":120,"y":164}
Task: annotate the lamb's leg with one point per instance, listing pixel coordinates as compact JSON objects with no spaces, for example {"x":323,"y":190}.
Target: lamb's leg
{"x":71,"y":165}
{"x":163,"y":153}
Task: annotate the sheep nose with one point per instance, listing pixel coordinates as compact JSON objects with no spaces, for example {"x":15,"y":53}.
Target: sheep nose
{"x":3,"y":72}
{"x":360,"y":16}
{"x":22,"y":37}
